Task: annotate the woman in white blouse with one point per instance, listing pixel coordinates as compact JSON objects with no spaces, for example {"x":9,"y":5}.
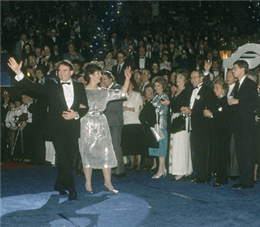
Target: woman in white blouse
{"x":132,"y":130}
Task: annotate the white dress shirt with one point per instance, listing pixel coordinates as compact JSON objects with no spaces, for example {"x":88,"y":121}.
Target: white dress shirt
{"x":194,"y":95}
{"x":68,"y":91}
{"x":134,"y":100}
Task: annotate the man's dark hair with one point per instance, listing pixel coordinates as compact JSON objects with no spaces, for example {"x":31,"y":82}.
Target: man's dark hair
{"x":67,"y":63}
{"x":242,"y":64}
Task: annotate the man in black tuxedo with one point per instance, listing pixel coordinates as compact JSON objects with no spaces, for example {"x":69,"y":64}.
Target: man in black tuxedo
{"x":63,"y":126}
{"x":201,"y":131}
{"x":53,"y":39}
{"x":119,"y":69}
{"x":141,"y":61}
{"x":245,"y":101}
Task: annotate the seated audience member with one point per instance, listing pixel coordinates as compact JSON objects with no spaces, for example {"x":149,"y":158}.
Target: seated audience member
{"x":137,"y":78}
{"x":109,"y":61}
{"x":165,"y":64}
{"x":81,"y":79}
{"x":77,"y":68}
{"x":72,"y":54}
{"x":145,"y":78}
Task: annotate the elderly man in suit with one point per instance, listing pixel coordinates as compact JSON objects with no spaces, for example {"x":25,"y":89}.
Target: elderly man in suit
{"x":201,"y":131}
{"x":114,"y":114}
{"x":244,"y":102}
{"x":65,"y":97}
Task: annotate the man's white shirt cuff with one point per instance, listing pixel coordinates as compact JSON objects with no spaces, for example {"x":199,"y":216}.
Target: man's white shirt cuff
{"x":19,"y":77}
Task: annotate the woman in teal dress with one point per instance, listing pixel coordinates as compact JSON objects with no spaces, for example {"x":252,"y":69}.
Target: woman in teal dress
{"x":160,"y":86}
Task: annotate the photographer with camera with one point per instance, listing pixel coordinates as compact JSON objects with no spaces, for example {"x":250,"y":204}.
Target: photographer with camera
{"x":182,"y":60}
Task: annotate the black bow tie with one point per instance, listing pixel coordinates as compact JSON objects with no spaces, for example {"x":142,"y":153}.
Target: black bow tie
{"x":65,"y":83}
{"x":198,"y":86}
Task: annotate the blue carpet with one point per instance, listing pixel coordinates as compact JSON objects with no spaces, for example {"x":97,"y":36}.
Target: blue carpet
{"x":28,"y":199}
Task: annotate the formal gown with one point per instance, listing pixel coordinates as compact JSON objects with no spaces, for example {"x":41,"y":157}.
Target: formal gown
{"x":95,"y":142}
{"x":180,"y":149}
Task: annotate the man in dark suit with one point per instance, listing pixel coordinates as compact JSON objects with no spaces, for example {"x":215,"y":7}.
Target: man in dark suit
{"x":118,"y":70}
{"x":63,"y":126}
{"x":114,"y":114}
{"x":53,"y":39}
{"x":19,"y":46}
{"x":141,"y":61}
{"x":114,"y":41}
{"x":245,"y":101}
{"x":201,"y":131}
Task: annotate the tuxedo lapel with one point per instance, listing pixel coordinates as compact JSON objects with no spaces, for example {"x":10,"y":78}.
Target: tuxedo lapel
{"x":241,"y":89}
{"x":199,"y":95}
{"x":75,"y":95}
{"x":61,"y":94}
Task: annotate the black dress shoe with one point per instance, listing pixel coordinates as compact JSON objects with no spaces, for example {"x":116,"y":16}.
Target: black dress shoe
{"x":73,"y":196}
{"x":61,"y":191}
{"x":241,"y":186}
{"x":118,"y":176}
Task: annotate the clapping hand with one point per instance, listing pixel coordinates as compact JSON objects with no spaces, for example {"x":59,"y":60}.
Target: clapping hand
{"x":14,"y":65}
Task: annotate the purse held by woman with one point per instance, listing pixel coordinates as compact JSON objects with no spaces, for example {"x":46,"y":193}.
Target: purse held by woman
{"x":178,"y":124}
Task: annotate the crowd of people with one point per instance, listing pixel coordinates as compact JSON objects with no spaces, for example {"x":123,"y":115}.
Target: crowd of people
{"x":176,"y":74}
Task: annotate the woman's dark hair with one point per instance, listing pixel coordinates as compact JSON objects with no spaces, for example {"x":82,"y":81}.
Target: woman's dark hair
{"x":186,"y":74}
{"x":90,"y":69}
{"x":27,"y":44}
{"x":242,"y":64}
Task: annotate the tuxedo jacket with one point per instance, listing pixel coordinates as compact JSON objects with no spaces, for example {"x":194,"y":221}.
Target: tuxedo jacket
{"x":114,"y":110}
{"x":204,"y":99}
{"x":55,"y":123}
{"x":49,"y":41}
{"x":248,"y":102}
{"x":147,"y":63}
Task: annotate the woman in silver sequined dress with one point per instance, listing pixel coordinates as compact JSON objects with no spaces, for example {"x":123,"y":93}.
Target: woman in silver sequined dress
{"x":160,"y":86}
{"x":95,"y":143}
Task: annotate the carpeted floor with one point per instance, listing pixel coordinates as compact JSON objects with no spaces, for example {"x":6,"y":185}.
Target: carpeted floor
{"x":28,"y":199}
